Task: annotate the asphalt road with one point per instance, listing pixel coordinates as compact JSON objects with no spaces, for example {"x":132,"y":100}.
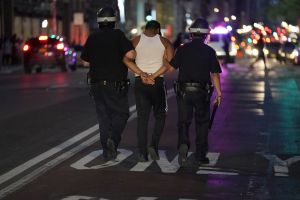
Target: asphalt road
{"x":50,"y":149}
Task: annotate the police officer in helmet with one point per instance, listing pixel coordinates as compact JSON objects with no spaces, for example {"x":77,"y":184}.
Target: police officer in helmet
{"x":103,"y":52}
{"x":198,"y":67}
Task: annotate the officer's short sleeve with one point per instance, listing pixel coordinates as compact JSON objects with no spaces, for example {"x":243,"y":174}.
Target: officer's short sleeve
{"x":126,"y":45}
{"x":215,"y":65}
{"x":85,"y":55}
{"x":175,"y":62}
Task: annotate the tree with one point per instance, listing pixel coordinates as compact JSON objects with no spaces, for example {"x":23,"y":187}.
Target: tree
{"x":287,"y":10}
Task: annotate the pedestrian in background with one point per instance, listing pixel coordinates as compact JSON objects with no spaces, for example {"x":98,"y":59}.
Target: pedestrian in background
{"x":261,"y":55}
{"x":226,"y":43}
{"x":198,"y":66}
{"x":150,"y":91}
{"x":7,"y":51}
{"x":103,"y":52}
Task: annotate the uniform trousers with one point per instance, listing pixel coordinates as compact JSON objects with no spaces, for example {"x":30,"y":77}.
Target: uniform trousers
{"x":189,"y":104}
{"x":150,"y":97}
{"x":112,"y":112}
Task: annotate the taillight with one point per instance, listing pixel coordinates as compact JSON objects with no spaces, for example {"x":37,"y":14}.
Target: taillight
{"x":43,"y":37}
{"x":60,"y":46}
{"x":26,"y":47}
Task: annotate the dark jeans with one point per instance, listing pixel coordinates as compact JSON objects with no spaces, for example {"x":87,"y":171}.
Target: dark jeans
{"x":188,"y":104}
{"x":148,"y":97}
{"x":112,"y":111}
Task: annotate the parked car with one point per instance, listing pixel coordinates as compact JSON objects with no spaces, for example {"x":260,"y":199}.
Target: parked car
{"x":218,"y":37}
{"x":48,"y":52}
{"x":288,"y":52}
{"x":297,"y":55}
{"x":272,"y":49}
{"x":217,"y":40}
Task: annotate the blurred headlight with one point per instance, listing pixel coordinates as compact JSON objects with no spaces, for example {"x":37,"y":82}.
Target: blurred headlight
{"x":254,"y":52}
{"x":294,"y":54}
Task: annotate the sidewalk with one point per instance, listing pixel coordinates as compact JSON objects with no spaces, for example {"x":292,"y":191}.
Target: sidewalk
{"x":8,"y":69}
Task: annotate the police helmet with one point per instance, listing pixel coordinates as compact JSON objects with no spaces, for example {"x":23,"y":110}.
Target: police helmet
{"x":106,"y":15}
{"x":200,"y":26}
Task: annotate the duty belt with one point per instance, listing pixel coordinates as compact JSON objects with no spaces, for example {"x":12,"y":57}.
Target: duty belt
{"x":182,"y":88}
{"x":111,"y":83}
{"x":193,"y":87}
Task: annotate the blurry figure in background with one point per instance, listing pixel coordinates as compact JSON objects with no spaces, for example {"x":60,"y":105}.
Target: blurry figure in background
{"x":14,"y":50}
{"x":7,"y":51}
{"x":178,"y":40}
{"x":150,"y":91}
{"x":261,"y":55}
{"x":226,"y":43}
{"x":181,"y":39}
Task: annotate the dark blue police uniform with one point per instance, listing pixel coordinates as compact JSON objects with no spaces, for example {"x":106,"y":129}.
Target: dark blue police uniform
{"x":104,"y":50}
{"x":195,"y":61}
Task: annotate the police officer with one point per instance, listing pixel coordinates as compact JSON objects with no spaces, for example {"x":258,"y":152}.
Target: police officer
{"x":198,"y":66}
{"x":103,"y":52}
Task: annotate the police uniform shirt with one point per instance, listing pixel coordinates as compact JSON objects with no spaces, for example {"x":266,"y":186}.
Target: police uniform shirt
{"x":195,"y":61}
{"x":104,"y":50}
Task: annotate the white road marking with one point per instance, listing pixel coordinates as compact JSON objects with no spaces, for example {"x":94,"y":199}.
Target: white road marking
{"x":81,"y":164}
{"x":213,"y":158}
{"x":21,"y":168}
{"x":37,"y":172}
{"x":141,"y":166}
{"x":165,"y":165}
{"x":77,"y":198}
{"x":34,"y":161}
{"x":216,"y":172}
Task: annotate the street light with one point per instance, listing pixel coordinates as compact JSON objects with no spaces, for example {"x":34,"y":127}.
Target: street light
{"x":45,"y":23}
{"x":226,"y":19}
{"x":148,"y":17}
{"x":233,"y":17}
{"x":216,"y":10}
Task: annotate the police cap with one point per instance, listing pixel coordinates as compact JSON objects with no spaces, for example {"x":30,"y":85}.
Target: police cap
{"x":200,"y":25}
{"x":106,"y":14}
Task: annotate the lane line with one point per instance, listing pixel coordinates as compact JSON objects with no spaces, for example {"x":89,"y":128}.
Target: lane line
{"x":34,"y":161}
{"x":34,"y":174}
{"x":21,"y":168}
{"x":51,"y":164}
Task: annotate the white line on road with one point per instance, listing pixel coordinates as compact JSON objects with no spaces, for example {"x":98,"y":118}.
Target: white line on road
{"x":21,"y":168}
{"x":37,"y":172}
{"x":34,"y":174}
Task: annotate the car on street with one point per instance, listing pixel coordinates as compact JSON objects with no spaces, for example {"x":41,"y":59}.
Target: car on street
{"x":48,"y":52}
{"x":297,"y":56}
{"x":218,"y":38}
{"x":272,"y":49}
{"x":288,"y":52}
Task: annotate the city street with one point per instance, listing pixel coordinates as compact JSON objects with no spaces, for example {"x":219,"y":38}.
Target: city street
{"x":50,"y":149}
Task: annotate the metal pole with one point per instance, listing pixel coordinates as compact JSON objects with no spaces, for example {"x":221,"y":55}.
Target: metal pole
{"x":54,"y":13}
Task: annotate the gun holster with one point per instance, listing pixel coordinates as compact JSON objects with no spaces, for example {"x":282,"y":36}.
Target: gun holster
{"x":122,"y":86}
{"x":178,"y":90}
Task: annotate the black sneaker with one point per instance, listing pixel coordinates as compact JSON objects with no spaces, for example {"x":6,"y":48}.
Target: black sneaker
{"x":204,"y":161}
{"x":111,"y":147}
{"x":153,"y":154}
{"x":143,"y":157}
{"x":182,"y":157}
